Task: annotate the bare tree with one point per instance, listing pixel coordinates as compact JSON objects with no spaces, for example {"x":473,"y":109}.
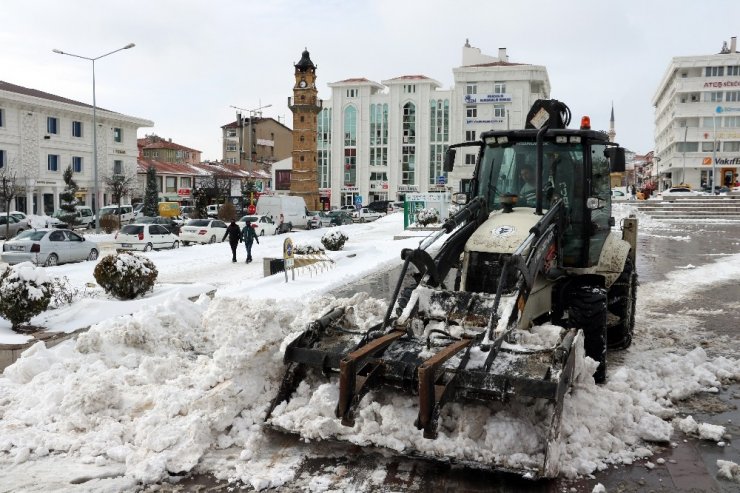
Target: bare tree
{"x":119,"y":186}
{"x":10,"y":188}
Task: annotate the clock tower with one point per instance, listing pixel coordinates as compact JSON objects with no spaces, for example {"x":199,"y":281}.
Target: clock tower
{"x":304,"y":179}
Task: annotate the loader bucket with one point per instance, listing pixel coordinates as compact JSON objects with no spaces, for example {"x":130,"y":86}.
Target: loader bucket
{"x":434,"y":373}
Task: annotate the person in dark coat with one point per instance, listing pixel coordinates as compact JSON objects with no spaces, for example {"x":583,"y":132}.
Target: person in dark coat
{"x":249,"y":235}
{"x":235,"y":236}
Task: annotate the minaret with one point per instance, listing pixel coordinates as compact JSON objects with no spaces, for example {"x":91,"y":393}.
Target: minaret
{"x":305,"y":106}
{"x":612,"y":132}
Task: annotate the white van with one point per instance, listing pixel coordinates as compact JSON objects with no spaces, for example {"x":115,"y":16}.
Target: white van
{"x":286,"y":209}
{"x":126,"y":212}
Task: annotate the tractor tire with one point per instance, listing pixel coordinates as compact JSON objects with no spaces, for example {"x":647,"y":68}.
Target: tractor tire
{"x":622,"y":298}
{"x":588,"y":311}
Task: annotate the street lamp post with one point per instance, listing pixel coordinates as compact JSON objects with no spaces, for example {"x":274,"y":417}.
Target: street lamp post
{"x":96,"y":205}
{"x":714,"y":153}
{"x":683,"y":173}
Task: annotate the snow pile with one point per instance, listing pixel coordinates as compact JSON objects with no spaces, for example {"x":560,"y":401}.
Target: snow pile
{"x":705,"y":431}
{"x":728,"y":470}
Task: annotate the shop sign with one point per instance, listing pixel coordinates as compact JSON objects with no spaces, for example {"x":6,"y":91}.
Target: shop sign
{"x":469,"y":121}
{"x":727,"y":109}
{"x":723,"y":83}
{"x":325,"y":192}
{"x":724,"y":161}
{"x":46,"y":182}
{"x":350,"y":189}
{"x":183,"y":192}
{"x":408,"y":188}
{"x":119,"y":151}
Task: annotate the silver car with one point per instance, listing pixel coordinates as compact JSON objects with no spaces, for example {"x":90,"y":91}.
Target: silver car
{"x":15,"y":225}
{"x":48,"y":247}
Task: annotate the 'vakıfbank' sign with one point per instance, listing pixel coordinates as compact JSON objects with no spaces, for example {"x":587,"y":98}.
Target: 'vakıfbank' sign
{"x":487,"y":98}
{"x":707,"y":161}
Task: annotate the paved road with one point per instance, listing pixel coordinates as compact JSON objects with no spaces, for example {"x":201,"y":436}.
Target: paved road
{"x":689,"y":467}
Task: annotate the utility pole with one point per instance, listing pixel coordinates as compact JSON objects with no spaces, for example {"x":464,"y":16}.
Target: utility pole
{"x":683,"y":173}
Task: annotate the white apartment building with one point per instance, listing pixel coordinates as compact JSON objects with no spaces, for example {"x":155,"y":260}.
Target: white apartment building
{"x":41,"y":134}
{"x":697,"y":120}
{"x":380,"y":141}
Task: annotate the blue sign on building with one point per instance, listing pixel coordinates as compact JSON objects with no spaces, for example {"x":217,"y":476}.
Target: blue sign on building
{"x":441,"y":180}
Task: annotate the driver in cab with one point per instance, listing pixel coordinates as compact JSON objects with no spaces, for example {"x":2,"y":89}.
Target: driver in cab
{"x":528,"y":192}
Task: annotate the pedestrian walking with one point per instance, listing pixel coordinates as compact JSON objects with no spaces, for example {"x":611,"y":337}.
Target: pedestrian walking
{"x":235,"y":236}
{"x":249,"y":235}
{"x":633,"y":193}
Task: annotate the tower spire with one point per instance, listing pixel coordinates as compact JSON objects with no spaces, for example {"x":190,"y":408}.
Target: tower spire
{"x":612,"y":132}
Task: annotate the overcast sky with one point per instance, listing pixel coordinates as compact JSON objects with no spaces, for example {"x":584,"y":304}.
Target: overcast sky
{"x":195,"y":59}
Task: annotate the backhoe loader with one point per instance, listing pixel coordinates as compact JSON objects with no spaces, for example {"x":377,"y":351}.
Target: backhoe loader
{"x":532,"y":244}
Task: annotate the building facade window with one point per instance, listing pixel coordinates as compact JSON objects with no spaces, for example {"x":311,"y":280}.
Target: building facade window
{"x":732,"y":96}
{"x":231,"y":132}
{"x":499,"y":87}
{"x":711,"y":122}
{"x":714,"y":71}
{"x":350,"y":146}
{"x":76,"y":129}
{"x":439,"y":116}
{"x":408,"y":147}
{"x":323,"y":147}
{"x":77,"y":164}
{"x":117,"y":167}
{"x":231,"y":148}
{"x":499,"y":111}
{"x":378,"y":135}
{"x":117,"y":134}
{"x":186,"y":182}
{"x":731,"y":146}
{"x":2,"y":117}
{"x":732,"y":121}
{"x":409,"y":88}
{"x":469,"y":159}
{"x":470,"y":135}
{"x":52,"y":162}
{"x":351,"y":93}
{"x":2,"y":158}
{"x":159,"y":183}
{"x":733,"y":70}
{"x":471,"y":111}
{"x":471,"y":88}
{"x":282,"y":179}
{"x":713,"y":96}
{"x":170,"y":184}
{"x":51,"y":125}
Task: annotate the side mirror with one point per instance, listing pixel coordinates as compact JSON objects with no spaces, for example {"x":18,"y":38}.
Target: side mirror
{"x":616,"y":159}
{"x":460,"y":198}
{"x":449,"y":163}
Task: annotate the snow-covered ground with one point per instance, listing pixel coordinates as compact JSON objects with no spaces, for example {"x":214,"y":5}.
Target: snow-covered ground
{"x":167,"y":385}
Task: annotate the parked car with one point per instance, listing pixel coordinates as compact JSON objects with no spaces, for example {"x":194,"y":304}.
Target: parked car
{"x":48,"y":247}
{"x":395,"y":207}
{"x":212,"y":210}
{"x":318,"y":219}
{"x":126,"y":212}
{"x":21,"y":216}
{"x":262,"y":225}
{"x":202,"y":231}
{"x":339,"y":218}
{"x":171,"y":224}
{"x":618,"y":195}
{"x":83,"y":218}
{"x":379,"y":206}
{"x":145,"y":237}
{"x":678,"y":192}
{"x":186,"y":211}
{"x":364,"y":214}
{"x":348,"y":208}
{"x":11,"y":226}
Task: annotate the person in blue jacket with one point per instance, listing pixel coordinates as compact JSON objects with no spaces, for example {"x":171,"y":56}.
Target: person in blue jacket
{"x":248,"y":235}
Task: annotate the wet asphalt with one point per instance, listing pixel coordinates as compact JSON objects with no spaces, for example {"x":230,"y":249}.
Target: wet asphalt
{"x":689,"y":464}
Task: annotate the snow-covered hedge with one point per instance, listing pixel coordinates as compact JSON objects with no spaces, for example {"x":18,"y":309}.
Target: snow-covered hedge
{"x":427,"y":216}
{"x":25,"y":291}
{"x":126,"y":275}
{"x":334,"y":240}
{"x":306,"y":249}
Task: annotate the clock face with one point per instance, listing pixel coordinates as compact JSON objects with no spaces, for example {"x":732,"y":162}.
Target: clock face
{"x":302,"y":83}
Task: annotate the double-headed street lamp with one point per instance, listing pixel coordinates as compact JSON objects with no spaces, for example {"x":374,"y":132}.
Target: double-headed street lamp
{"x":94,"y":125}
